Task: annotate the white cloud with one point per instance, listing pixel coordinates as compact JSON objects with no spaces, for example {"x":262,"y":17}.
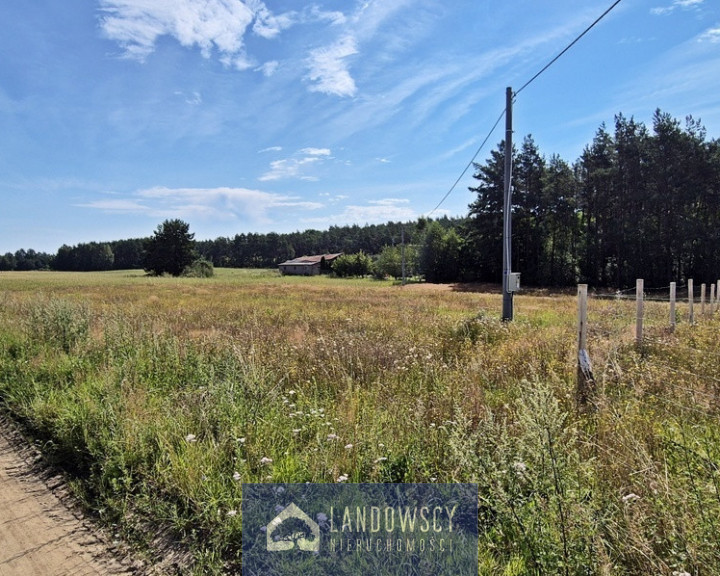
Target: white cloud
{"x":316,"y":151}
{"x":209,"y":25}
{"x":271,"y":149}
{"x":269,"y":68}
{"x":712,"y":35}
{"x":116,"y":206}
{"x":223,"y":203}
{"x":681,"y":4}
{"x":296,"y":166}
{"x":329,"y":68}
{"x":375,"y":212}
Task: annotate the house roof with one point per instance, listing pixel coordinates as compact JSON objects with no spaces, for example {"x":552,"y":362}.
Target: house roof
{"x":311,"y":260}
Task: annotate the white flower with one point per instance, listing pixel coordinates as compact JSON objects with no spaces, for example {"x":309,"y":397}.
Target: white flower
{"x":296,"y":431}
{"x":348,"y":446}
{"x":381,"y":459}
{"x":321,"y":517}
{"x":333,"y":437}
{"x":630,"y":497}
{"x":265,"y":460}
{"x":291,"y":392}
{"x":231,"y":513}
{"x":433,"y":479}
{"x":190,"y":438}
{"x":520,"y":467}
{"x":236,"y":476}
{"x":241,"y":440}
{"x":342,"y":478}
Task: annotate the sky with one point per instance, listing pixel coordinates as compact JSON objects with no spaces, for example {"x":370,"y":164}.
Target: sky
{"x":243,"y":116}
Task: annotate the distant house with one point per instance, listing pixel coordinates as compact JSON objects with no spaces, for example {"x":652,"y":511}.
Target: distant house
{"x":309,"y":265}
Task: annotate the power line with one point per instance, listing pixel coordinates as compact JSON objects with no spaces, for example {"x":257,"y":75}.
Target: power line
{"x":514,"y":96}
{"x":568,"y":47}
{"x":469,"y":163}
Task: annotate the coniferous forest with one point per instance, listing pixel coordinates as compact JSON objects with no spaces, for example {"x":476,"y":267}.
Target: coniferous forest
{"x":640,"y":202}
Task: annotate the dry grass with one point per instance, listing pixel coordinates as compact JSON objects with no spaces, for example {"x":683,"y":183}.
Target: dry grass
{"x":158,"y":394}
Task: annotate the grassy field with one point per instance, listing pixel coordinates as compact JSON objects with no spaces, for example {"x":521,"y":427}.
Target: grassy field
{"x":160,"y":396}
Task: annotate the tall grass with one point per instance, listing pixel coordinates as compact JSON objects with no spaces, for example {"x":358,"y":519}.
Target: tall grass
{"x":160,"y":396}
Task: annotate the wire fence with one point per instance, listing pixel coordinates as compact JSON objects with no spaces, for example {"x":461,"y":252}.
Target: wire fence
{"x":678,"y":370}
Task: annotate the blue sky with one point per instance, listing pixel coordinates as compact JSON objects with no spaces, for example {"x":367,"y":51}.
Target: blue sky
{"x":251,"y":116}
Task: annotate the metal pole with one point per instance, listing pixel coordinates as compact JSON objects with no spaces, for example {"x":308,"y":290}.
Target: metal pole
{"x":507,"y":309}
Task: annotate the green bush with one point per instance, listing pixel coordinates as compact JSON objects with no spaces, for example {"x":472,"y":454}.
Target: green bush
{"x":200,"y":268}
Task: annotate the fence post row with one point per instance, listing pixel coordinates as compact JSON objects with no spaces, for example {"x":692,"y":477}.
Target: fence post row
{"x":585,"y":384}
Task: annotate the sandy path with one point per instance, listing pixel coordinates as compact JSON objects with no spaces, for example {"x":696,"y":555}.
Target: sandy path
{"x":39,"y":534}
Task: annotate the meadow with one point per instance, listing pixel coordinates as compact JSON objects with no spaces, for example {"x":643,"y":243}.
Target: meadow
{"x":159,"y":397}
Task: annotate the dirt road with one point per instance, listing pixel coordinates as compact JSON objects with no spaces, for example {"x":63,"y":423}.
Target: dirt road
{"x":40,"y":534}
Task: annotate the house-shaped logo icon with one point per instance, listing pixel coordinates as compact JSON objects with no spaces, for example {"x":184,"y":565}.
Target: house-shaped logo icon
{"x":300,"y":538}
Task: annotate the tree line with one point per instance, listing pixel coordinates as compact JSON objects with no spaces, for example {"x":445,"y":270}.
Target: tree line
{"x":638,"y":203}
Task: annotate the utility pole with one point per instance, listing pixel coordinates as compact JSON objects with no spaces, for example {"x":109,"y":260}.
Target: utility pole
{"x":507,"y":289}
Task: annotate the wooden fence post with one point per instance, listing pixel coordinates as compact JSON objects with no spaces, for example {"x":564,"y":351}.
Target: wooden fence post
{"x":712,"y":299}
{"x":673,"y":292}
{"x":639,"y":299}
{"x":691,"y":314}
{"x":702,"y":299}
{"x":585,"y":380}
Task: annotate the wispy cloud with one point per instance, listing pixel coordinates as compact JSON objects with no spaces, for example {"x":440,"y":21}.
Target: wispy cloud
{"x":676,"y":5}
{"x":374,"y":212}
{"x":214,"y":26}
{"x":271,"y":149}
{"x":222,"y":203}
{"x":712,"y":35}
{"x":268,"y":68}
{"x":296,"y":166}
{"x":328,"y":68}
{"x":316,"y":151}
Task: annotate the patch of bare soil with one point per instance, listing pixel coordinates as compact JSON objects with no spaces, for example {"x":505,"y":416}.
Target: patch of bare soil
{"x":42,"y":532}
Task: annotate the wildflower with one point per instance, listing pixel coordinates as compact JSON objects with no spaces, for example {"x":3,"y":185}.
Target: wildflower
{"x":296,"y":431}
{"x":236,"y":476}
{"x":519,"y":467}
{"x":333,"y":437}
{"x":190,"y":438}
{"x":241,"y":440}
{"x":321,"y":517}
{"x":630,"y":497}
{"x":381,"y":459}
{"x":342,"y":478}
{"x":265,"y":460}
{"x":433,"y":479}
{"x":231,"y":513}
{"x":381,"y":445}
{"x":291,"y":392}
{"x":348,"y":446}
